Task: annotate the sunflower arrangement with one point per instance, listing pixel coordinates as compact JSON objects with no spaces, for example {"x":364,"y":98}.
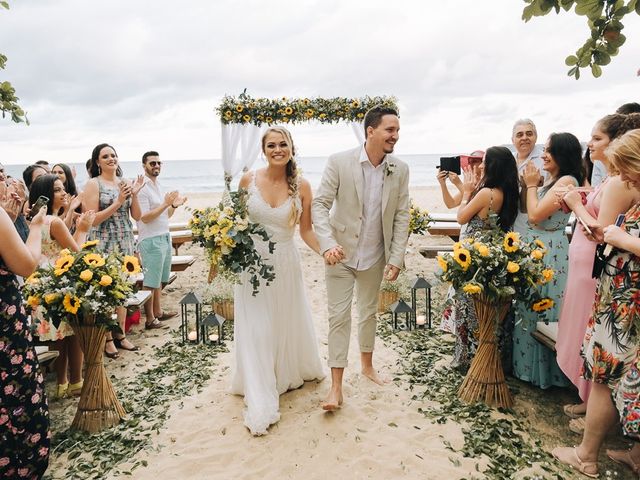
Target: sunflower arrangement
{"x":419,"y":219}
{"x":259,"y":111}
{"x":82,"y":283}
{"x":500,"y":266}
{"x":229,"y":238}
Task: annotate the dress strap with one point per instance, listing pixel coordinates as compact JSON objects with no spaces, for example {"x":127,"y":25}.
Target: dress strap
{"x":491,"y":201}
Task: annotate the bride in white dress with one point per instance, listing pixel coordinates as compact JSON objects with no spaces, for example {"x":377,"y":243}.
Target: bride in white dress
{"x":275,"y":342}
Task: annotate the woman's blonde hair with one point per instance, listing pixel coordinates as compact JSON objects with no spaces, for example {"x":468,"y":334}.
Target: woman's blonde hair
{"x":624,"y":153}
{"x":291,"y":170}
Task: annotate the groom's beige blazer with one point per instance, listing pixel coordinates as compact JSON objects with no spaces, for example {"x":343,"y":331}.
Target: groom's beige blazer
{"x":337,"y":206}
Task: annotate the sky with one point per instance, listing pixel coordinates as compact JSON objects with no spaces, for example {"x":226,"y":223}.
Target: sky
{"x":148,"y":74}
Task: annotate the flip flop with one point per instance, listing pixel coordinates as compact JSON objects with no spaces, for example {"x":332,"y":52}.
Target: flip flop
{"x":570,"y":410}
{"x":167,"y":315}
{"x":155,"y":324}
{"x":623,"y":457}
{"x":569,"y":456}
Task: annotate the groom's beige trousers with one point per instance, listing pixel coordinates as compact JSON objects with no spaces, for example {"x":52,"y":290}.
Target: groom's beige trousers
{"x":340,"y":281}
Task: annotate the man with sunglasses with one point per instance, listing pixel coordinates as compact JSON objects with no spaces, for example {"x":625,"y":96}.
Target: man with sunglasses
{"x":154,"y":240}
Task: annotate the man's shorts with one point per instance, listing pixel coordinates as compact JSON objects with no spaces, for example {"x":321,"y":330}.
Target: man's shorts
{"x":155,"y":253}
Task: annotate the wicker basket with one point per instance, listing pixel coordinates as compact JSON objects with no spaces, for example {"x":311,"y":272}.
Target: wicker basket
{"x":386,"y":298}
{"x":224,"y":308}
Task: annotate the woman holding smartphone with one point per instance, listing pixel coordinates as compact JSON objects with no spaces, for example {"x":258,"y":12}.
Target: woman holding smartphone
{"x":115,"y":200}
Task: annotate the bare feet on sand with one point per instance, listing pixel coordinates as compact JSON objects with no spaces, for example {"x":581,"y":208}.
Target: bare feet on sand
{"x":374,"y":376}
{"x":333,"y":401}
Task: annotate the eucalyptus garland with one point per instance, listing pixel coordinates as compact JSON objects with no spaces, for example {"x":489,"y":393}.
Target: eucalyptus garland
{"x":245,"y":109}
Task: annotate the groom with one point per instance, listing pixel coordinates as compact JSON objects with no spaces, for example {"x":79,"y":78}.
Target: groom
{"x":361,"y":219}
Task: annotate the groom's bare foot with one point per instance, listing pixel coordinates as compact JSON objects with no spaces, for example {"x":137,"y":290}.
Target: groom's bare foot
{"x":374,"y":376}
{"x":333,"y":401}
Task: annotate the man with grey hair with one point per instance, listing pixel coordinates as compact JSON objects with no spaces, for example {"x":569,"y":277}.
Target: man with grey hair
{"x":524,"y":136}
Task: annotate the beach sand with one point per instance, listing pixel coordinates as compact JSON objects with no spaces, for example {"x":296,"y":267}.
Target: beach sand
{"x":378,"y":434}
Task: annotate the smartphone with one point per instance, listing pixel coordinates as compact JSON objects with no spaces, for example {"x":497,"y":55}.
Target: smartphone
{"x":42,"y":201}
{"x":450,"y":164}
{"x":584,"y":225}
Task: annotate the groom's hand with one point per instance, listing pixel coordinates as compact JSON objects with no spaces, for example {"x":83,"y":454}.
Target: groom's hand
{"x":391,"y":272}
{"x":333,"y":255}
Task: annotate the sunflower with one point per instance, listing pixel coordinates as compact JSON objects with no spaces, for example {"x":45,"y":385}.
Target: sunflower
{"x":94,"y":259}
{"x":105,"y":280}
{"x":542,"y":305}
{"x":482,"y":249}
{"x":442,"y":263}
{"x":456,"y":246}
{"x":71,"y":303}
{"x":288,"y":110}
{"x":285,"y":119}
{"x":50,"y":298}
{"x":64,"y":252}
{"x":246,"y":118}
{"x":472,"y":288}
{"x":537,"y":254}
{"x":540,"y":244}
{"x":228,"y":114}
{"x":309,"y":113}
{"x":89,"y":244}
{"x":86,"y":275}
{"x":513,"y":267}
{"x":239,"y":108}
{"x":463,"y":257}
{"x":33,"y":279}
{"x":360,"y":115}
{"x":355,"y":104}
{"x":63,"y":264}
{"x":511,"y":241}
{"x":269,"y":120}
{"x":547,"y":275}
{"x":33,"y":301}
{"x":130,"y":264}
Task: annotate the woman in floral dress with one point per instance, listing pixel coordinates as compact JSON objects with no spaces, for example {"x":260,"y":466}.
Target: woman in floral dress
{"x":24,"y":415}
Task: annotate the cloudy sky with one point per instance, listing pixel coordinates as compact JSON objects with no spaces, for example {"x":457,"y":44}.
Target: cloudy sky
{"x":147,"y":74}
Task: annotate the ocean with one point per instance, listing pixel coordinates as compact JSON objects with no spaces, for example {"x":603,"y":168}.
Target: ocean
{"x":196,"y":176}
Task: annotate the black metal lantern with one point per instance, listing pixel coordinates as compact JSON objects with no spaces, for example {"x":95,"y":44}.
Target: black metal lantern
{"x":420,"y":321}
{"x":194,"y":300}
{"x":398,"y":308}
{"x":213,"y":320}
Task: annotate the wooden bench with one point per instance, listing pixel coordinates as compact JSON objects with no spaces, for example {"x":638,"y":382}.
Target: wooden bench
{"x":179,"y":263}
{"x":178,"y":237}
{"x":174,"y":226}
{"x":546,"y":334}
{"x":432,"y":251}
{"x":45,"y":356}
{"x":138,"y":299}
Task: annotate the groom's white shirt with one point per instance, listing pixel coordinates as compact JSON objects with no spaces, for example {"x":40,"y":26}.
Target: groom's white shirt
{"x":370,"y":240}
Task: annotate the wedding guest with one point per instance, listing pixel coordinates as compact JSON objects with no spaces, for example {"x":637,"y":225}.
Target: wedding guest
{"x":275,"y":343}
{"x":611,"y":340}
{"x":493,"y":192}
{"x":524,"y":137}
{"x":603,"y":204}
{"x":24,"y":414}
{"x":154,"y":239}
{"x":44,"y":164}
{"x":599,"y":170}
{"x":74,"y":204}
{"x":562,"y":161}
{"x":55,"y":237}
{"x":627,"y":108}
{"x":31,"y":173}
{"x":114,"y":200}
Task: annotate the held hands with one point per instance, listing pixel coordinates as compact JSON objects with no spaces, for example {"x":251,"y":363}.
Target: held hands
{"x":531,"y":175}
{"x":391,"y":272}
{"x":333,"y":255}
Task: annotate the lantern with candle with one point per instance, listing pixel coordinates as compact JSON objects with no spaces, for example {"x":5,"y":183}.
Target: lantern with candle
{"x":191,"y":304}
{"x":214,"y":322}
{"x":421,"y":321}
{"x":398,"y":308}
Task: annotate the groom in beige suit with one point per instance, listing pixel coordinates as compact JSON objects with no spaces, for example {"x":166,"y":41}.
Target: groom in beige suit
{"x":361,"y":219}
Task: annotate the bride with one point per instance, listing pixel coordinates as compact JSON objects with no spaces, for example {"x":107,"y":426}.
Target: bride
{"x":275,"y":342}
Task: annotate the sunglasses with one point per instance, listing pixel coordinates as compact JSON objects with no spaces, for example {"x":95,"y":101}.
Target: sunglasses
{"x":155,"y":163}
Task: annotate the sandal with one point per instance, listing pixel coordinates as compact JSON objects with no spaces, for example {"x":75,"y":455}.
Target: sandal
{"x":623,"y":457}
{"x":111,"y":355}
{"x":577,"y":425}
{"x":570,"y":410}
{"x":167,"y":315}
{"x":569,"y":456}
{"x":75,"y":389}
{"x":118,"y":343}
{"x":155,"y":324}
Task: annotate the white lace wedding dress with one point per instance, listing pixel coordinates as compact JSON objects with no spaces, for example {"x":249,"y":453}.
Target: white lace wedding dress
{"x":275,"y":341}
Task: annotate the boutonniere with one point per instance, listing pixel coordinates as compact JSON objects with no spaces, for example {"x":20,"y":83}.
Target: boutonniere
{"x":389,"y":168}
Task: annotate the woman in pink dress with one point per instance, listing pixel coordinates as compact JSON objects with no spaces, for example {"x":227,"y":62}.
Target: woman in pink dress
{"x":614,"y":196}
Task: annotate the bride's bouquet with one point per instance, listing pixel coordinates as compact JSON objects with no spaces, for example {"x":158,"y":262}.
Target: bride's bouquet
{"x":419,"y":219}
{"x":228,"y":238}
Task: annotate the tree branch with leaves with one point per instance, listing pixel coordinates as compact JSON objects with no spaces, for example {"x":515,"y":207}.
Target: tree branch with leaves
{"x":604,"y":19}
{"x":8,"y":100}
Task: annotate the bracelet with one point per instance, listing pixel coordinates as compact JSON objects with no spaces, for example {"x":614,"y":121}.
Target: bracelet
{"x":532,"y":186}
{"x":173,"y":206}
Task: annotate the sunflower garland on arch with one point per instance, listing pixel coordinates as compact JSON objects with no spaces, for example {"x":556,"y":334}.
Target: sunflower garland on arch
{"x":244,"y":118}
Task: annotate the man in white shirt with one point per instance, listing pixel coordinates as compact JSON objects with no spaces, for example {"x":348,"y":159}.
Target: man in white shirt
{"x":154,"y":240}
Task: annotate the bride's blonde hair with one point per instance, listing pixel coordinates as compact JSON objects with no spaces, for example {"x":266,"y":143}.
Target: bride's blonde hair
{"x":291,"y":170}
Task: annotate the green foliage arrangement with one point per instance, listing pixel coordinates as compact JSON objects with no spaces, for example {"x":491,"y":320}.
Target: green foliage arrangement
{"x":604,"y":19}
{"x":8,"y":100}
{"x":259,"y":111}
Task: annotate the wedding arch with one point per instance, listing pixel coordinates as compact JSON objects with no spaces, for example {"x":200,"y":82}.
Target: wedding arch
{"x":244,"y":118}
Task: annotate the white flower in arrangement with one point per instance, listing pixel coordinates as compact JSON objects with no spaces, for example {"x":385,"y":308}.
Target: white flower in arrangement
{"x":389,"y":168}
{"x":241,"y":224}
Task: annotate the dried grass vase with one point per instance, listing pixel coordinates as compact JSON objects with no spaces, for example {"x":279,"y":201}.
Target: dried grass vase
{"x":386,"y":298}
{"x":98,"y":408}
{"x":485,"y":379}
{"x":223,"y":308}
